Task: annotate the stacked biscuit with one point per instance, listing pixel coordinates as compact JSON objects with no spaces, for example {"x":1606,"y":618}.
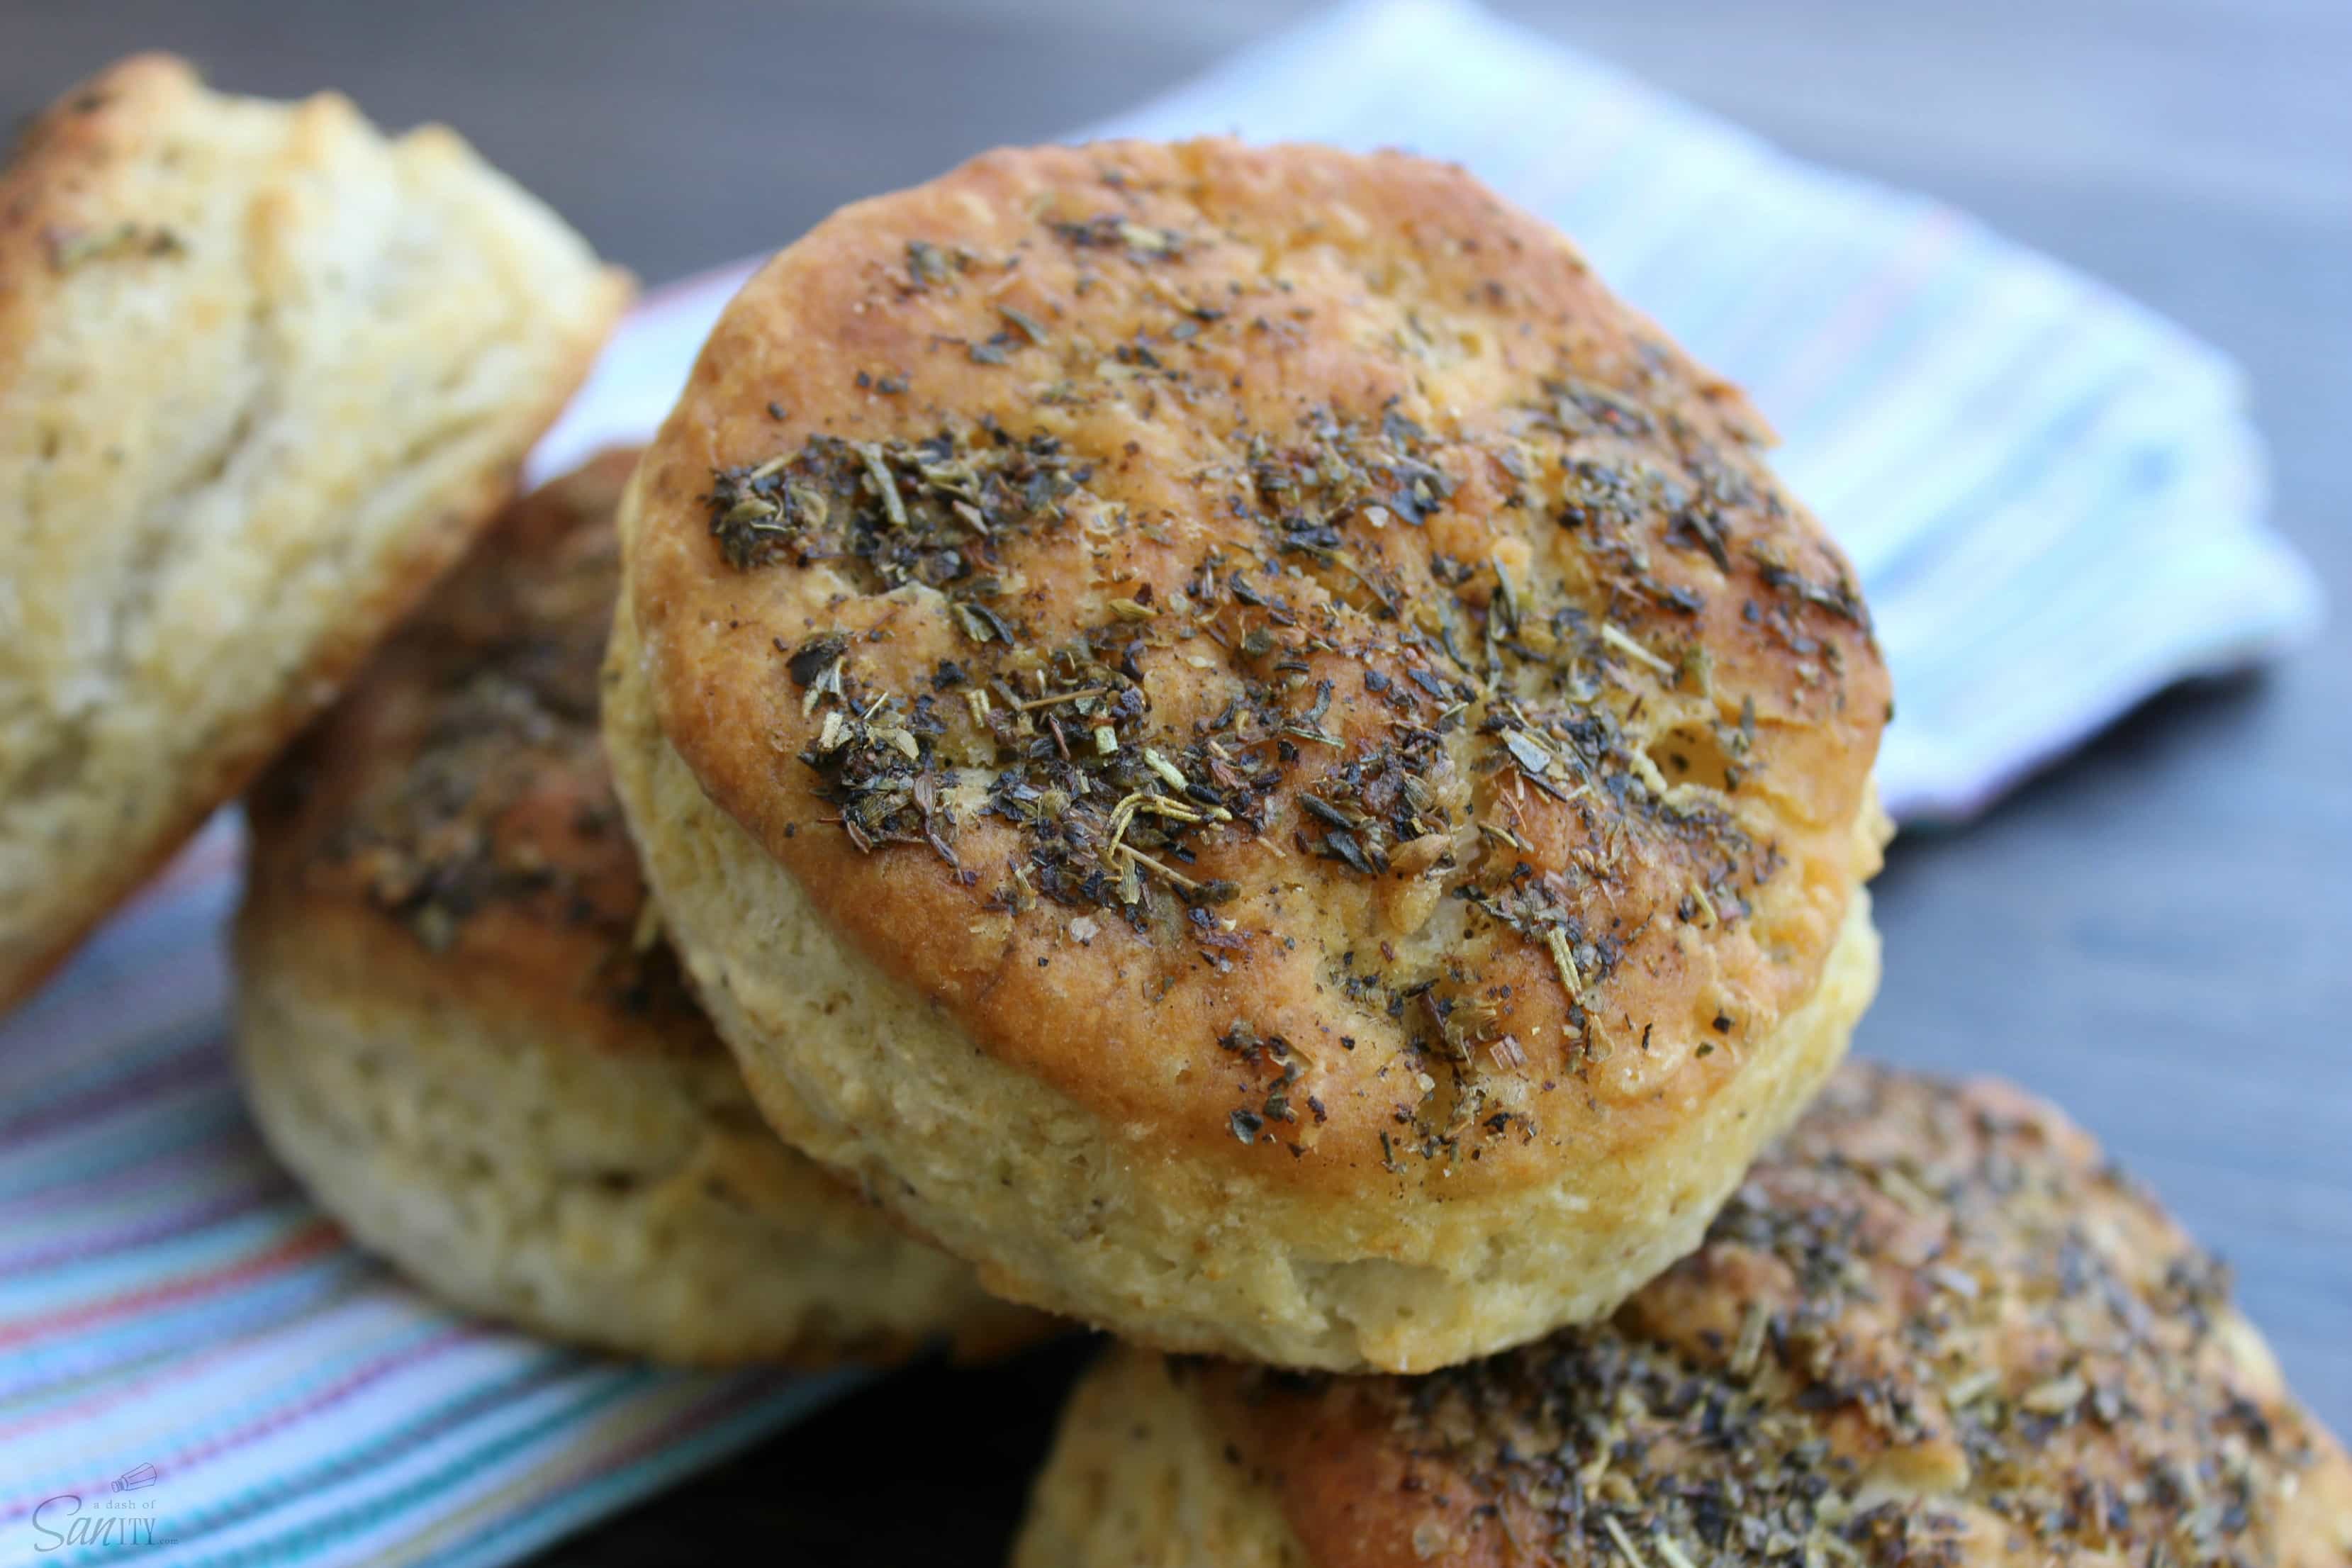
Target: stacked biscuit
{"x":1225,"y":739}
{"x":458,"y":1023}
{"x":1251,"y":752}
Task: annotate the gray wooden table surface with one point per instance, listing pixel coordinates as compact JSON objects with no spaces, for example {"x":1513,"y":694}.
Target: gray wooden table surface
{"x":2153,"y":931}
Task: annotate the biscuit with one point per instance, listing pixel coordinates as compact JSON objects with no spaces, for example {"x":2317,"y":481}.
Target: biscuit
{"x":263,"y":374}
{"x":1933,"y":1327}
{"x":1247,"y":748}
{"x":458,"y":1025}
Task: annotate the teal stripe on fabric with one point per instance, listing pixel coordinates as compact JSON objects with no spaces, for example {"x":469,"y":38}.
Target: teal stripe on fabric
{"x":2029,"y":465}
{"x":148,"y":1379}
{"x":44,"y":1070}
{"x":270,"y":1399}
{"x":379,"y":1449}
{"x":2028,"y":371}
{"x":170,"y":1123}
{"x":560,"y":1513}
{"x":160,"y":1331}
{"x":144,"y":1199}
{"x":206,"y":1250}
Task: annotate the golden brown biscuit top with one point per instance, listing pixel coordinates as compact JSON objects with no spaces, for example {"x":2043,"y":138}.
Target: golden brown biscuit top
{"x":1935,"y":1327}
{"x":1275,"y":647}
{"x":460,"y":790}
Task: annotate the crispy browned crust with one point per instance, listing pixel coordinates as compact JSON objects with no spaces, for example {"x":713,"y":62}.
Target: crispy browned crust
{"x":449,"y":828}
{"x":53,"y":190}
{"x":1244,"y":442}
{"x":54,"y":200}
{"x":245,"y":751}
{"x":1935,"y":1327}
{"x":243,"y":754}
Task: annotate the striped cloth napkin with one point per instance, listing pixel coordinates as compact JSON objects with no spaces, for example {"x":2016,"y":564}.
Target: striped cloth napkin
{"x":194,"y":1361}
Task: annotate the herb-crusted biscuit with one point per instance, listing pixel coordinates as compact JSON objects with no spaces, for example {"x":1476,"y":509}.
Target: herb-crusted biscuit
{"x":1933,"y":1329}
{"x":1247,"y":748}
{"x":458,"y":1025}
{"x":263,"y":373}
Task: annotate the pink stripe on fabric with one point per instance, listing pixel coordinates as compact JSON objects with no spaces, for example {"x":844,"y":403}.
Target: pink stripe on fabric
{"x":320,"y":1400}
{"x":318,"y":1237}
{"x":699,"y":1414}
{"x":704,"y":1412}
{"x":1864,"y":312}
{"x":201,"y":1059}
{"x":41,"y":1203}
{"x":81,"y":1249}
{"x":107,"y":1394}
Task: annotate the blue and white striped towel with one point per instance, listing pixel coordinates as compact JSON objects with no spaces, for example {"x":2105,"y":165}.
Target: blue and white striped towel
{"x":192,"y":1360}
